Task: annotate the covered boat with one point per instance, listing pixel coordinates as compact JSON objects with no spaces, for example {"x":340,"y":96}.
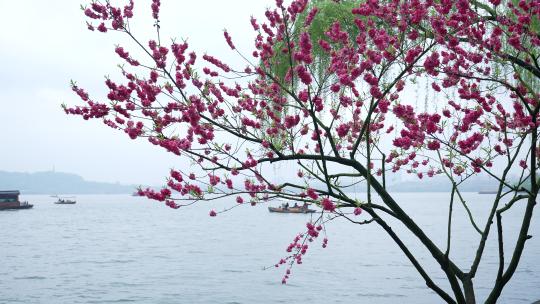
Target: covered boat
{"x":291,"y":210}
{"x":10,"y":200}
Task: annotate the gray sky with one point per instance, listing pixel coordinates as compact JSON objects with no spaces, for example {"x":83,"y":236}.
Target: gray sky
{"x":45,"y":44}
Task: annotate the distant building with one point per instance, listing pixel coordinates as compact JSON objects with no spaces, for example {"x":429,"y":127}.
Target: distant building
{"x":10,"y":200}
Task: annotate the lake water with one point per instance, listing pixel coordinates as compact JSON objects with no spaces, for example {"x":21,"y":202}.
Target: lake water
{"x":116,"y":249}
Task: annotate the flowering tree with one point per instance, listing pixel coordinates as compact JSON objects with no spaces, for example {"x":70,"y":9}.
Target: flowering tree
{"x":347,"y":118}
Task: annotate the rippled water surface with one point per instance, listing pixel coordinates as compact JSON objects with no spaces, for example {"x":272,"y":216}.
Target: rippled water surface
{"x":116,"y":249}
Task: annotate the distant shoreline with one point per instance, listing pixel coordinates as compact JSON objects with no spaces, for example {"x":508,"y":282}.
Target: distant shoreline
{"x":51,"y":183}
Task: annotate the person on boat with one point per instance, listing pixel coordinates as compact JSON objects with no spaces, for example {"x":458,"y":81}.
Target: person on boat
{"x":295,"y":205}
{"x":305,"y":206}
{"x":286,"y":206}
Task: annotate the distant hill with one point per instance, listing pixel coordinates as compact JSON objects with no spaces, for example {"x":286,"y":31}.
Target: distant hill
{"x":57,"y":183}
{"x":427,"y":184}
{"x":50,"y":182}
{"x":442,"y":184}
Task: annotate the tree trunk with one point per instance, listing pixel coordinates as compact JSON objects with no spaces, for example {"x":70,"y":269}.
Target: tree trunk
{"x":469,"y":291}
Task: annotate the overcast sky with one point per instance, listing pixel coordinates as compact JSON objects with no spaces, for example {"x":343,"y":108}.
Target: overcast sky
{"x":45,"y":44}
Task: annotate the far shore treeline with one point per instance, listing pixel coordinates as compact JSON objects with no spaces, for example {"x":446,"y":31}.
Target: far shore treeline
{"x":50,"y":182}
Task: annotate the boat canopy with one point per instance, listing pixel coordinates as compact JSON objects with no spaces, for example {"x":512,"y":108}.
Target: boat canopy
{"x":9,"y":195}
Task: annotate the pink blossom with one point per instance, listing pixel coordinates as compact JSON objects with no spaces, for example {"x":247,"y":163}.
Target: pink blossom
{"x":433,"y":145}
{"x":303,"y":74}
{"x":328,"y":205}
{"x":229,"y":40}
{"x":312,"y":194}
{"x":155,"y":8}
{"x":342,"y":130}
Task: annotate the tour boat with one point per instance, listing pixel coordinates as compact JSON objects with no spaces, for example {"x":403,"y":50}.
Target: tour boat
{"x":10,"y":200}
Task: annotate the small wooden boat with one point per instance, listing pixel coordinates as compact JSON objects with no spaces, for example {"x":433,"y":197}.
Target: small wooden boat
{"x":9,"y":200}
{"x":65,"y":201}
{"x":291,"y":210}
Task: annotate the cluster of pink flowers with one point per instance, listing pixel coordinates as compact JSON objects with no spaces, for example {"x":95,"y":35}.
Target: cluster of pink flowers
{"x":328,"y":205}
{"x":229,"y":40}
{"x":304,"y":51}
{"x":134,"y":130}
{"x":108,"y":13}
{"x":155,"y":8}
{"x":159,"y":53}
{"x":303,"y":74}
{"x":471,"y":143}
{"x":125,"y":55}
{"x":311,"y":15}
{"x":299,"y":248}
{"x":217,"y":63}
{"x":92,"y":110}
{"x":313,"y":230}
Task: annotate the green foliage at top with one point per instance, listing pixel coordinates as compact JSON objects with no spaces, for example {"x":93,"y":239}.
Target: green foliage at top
{"x":328,"y":13}
{"x":529,"y":80}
